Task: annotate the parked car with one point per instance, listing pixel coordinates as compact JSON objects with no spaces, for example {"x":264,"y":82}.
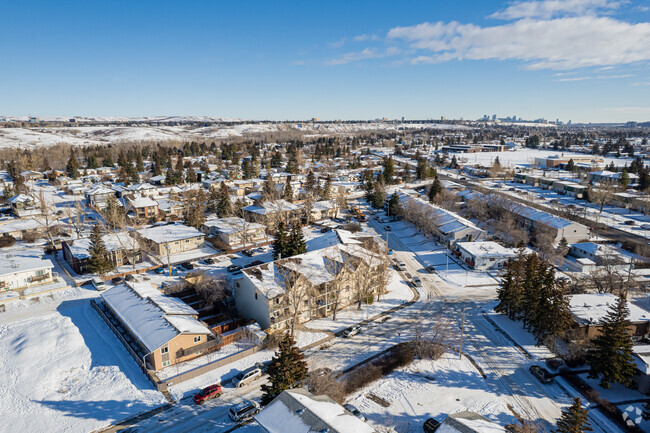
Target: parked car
{"x":98,"y":283}
{"x":159,"y":270}
{"x":325,"y":229}
{"x":243,"y":410}
{"x":255,"y":263}
{"x":351,"y":331}
{"x":206,"y":394}
{"x":390,"y":252}
{"x":174,"y":272}
{"x":400,"y":265}
{"x":248,"y":252}
{"x":416,"y":281}
{"x":645,"y":226}
{"x":354,"y":411}
{"x":187,"y":266}
{"x":542,"y":374}
{"x":246,"y":377}
{"x":630,"y":222}
{"x":233,"y":268}
{"x":209,"y":261}
{"x":387,"y":228}
{"x":116,"y":280}
{"x":431,"y":269}
{"x":129,"y":277}
{"x":431,"y":425}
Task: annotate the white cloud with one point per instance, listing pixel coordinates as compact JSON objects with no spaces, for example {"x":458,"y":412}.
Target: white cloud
{"x":546,"y":9}
{"x":561,"y":43}
{"x":573,"y":79}
{"x":367,"y":53}
{"x":365,"y":37}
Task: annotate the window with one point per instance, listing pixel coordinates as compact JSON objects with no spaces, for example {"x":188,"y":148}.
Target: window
{"x":166,"y":363}
{"x":197,"y":338}
{"x":164,"y":350}
{"x":255,"y":295}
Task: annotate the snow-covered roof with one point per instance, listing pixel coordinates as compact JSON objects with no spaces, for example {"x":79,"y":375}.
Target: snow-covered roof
{"x":232,"y":225}
{"x":592,"y":308}
{"x":153,"y":318}
{"x":269,"y":207}
{"x":19,"y":224}
{"x":141,"y":187}
{"x":298,"y":411}
{"x":140,"y":202}
{"x":323,"y":205}
{"x":80,"y":248}
{"x":596,"y":249}
{"x":642,"y":357}
{"x":487,"y":249}
{"x":166,"y":204}
{"x":169,"y":233}
{"x":23,"y":261}
{"x":21,"y":198}
{"x":468,"y":422}
{"x":100,"y":190}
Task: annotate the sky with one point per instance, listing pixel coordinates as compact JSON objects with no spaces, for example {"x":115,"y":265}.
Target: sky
{"x":579,"y":60}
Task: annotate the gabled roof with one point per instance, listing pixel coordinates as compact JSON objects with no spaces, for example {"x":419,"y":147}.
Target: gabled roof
{"x":298,"y":411}
{"x":169,"y":233}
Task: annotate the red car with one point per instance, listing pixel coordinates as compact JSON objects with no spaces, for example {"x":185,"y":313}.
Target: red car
{"x":212,"y":391}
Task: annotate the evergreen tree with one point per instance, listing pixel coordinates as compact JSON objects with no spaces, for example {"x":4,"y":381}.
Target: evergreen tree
{"x":121,"y":159}
{"x":194,"y":209}
{"x":389,"y":170}
{"x":571,"y":166}
{"x":191,"y":175}
{"x":92,"y":162}
{"x":139,"y":163}
{"x":170,"y":178}
{"x":286,"y":371}
{"x":611,"y":358}
{"x":72,"y":168}
{"x":107,"y":161}
{"x":295,"y":243}
{"x":435,"y":189}
{"x":624,"y":178}
{"x":268,"y":191}
{"x":574,"y":419}
{"x":327,"y":189}
{"x":288,"y":191}
{"x":394,"y":207}
{"x":280,"y":243}
{"x":223,"y":205}
{"x":311,"y":182}
{"x":98,"y":262}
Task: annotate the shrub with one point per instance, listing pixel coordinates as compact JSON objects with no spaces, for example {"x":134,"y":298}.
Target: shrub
{"x":272,"y":341}
{"x":7,"y":241}
{"x":31,"y":237}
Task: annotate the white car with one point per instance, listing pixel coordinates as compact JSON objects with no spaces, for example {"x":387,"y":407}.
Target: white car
{"x":243,"y":410}
{"x":246,"y":377}
{"x":352,"y":331}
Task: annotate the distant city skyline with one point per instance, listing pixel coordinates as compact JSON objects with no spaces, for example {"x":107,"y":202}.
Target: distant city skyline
{"x":579,"y":60}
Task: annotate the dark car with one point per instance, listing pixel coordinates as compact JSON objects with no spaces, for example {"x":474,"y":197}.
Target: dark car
{"x":187,"y":266}
{"x":630,"y":222}
{"x":554,"y":363}
{"x":209,"y":261}
{"x":542,"y":374}
{"x":431,"y":269}
{"x":325,"y":229}
{"x":255,"y":263}
{"x":233,"y":268}
{"x":116,"y":280}
{"x":129,"y":278}
{"x":248,"y":252}
{"x":387,"y":228}
{"x":160,"y":270}
{"x":208,"y":393}
{"x":431,"y":425}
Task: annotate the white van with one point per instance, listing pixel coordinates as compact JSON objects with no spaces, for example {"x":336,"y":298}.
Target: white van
{"x":98,"y":283}
{"x":243,"y":410}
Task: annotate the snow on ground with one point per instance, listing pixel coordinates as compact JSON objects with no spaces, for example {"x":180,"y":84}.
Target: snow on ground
{"x":525,"y":157}
{"x":431,"y":389}
{"x":616,"y":393}
{"x":224,"y":374}
{"x":398,"y":293}
{"x":92,"y":135}
{"x":67,"y":372}
{"x":516,"y":331}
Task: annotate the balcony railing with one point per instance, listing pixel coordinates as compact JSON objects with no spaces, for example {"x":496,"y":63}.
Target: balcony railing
{"x":199,"y":347}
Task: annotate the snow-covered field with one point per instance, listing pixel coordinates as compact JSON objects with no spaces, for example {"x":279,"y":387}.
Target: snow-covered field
{"x":66,"y":372}
{"x":91,"y":135}
{"x":431,"y":389}
{"x":524,"y":157}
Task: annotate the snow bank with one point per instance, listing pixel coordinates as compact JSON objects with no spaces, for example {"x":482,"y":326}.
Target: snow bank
{"x":67,"y":372}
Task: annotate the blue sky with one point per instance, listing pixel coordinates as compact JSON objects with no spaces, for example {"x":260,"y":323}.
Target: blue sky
{"x":584,"y":60}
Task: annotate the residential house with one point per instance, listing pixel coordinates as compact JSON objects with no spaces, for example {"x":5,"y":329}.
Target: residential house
{"x":610,"y":177}
{"x":297,"y":410}
{"x":23,"y":269}
{"x":484,"y":255}
{"x":169,"y":210}
{"x":98,"y":195}
{"x":324,"y":209}
{"x":121,"y":249}
{"x":141,"y":207}
{"x":19,"y":228}
{"x":262,"y":293}
{"x":536,"y":219}
{"x":601,"y":255}
{"x":271,"y":212}
{"x":23,"y":205}
{"x":143,"y":189}
{"x":589,"y":312}
{"x":236,"y":233}
{"x":163,"y":330}
{"x":170,"y":239}
{"x":468,"y":422}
